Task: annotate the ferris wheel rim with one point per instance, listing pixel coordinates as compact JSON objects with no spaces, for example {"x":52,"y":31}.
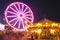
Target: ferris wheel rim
{"x":7,"y":10}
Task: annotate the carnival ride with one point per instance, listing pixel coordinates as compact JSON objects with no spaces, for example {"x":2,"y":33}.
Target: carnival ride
{"x":18,"y":15}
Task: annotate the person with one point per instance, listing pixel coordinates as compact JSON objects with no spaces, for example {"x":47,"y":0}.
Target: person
{"x":5,"y":37}
{"x":36,"y":36}
{"x":24,"y":37}
{"x":1,"y":35}
{"x":32,"y":37}
{"x":13,"y":38}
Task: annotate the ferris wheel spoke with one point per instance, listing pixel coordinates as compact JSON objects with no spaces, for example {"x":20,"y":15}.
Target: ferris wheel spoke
{"x":22,"y":23}
{"x":12,"y":20}
{"x":13,"y":9}
{"x":27,"y":12}
{"x":27,"y":20}
{"x":16,"y":7}
{"x":11,"y":16}
{"x":22,"y":7}
{"x":25,"y":9}
{"x":19,"y":6}
{"x":28,"y":15}
{"x":19,"y":24}
{"x":11,"y":12}
{"x":15,"y":23}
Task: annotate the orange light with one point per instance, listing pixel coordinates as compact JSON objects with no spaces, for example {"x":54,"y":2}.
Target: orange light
{"x":59,"y":26}
{"x":31,"y":25}
{"x":44,"y":25}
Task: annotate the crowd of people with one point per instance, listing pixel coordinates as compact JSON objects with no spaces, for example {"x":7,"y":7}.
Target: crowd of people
{"x":11,"y":35}
{"x":14,"y":35}
{"x":23,"y":35}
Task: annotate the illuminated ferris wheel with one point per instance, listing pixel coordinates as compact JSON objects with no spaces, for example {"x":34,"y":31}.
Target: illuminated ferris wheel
{"x":18,"y":15}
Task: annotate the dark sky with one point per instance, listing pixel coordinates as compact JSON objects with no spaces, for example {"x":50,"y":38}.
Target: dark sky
{"x":49,"y":9}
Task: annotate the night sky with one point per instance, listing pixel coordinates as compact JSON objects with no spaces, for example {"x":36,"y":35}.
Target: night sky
{"x":41,"y":9}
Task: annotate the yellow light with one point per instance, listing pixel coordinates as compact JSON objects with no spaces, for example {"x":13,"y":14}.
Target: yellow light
{"x":46,"y":23}
{"x":39,"y":24}
{"x":39,"y":31}
{"x":52,"y":31}
{"x":54,"y":25}
{"x":28,"y":26}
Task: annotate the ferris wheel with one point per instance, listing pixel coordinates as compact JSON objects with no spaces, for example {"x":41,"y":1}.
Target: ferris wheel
{"x":18,"y":15}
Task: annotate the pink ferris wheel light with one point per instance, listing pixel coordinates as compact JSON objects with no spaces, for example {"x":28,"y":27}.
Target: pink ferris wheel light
{"x":18,"y":15}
